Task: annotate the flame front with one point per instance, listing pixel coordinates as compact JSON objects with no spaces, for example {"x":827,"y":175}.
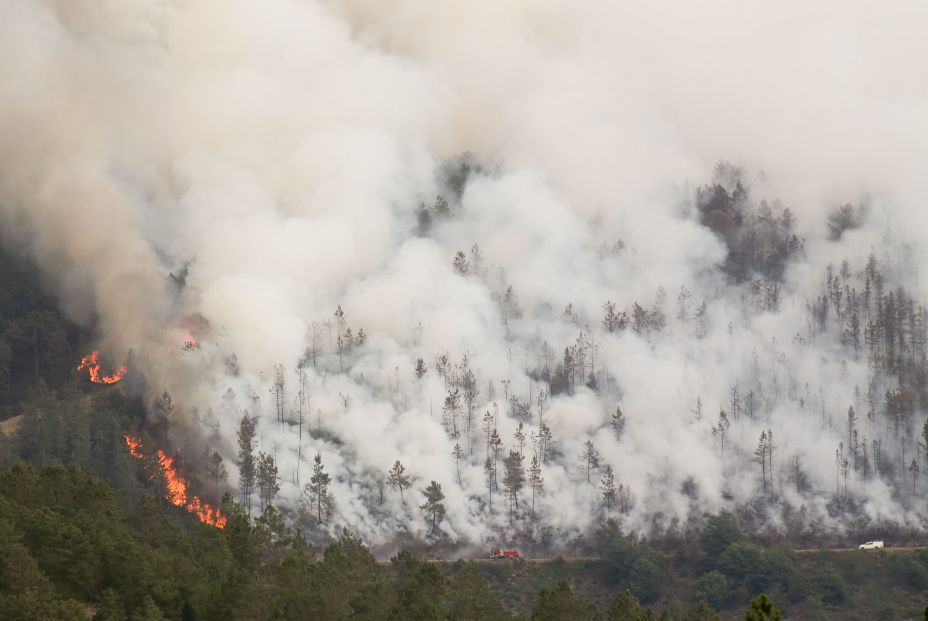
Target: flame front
{"x":91,"y":362}
{"x":176,"y":492}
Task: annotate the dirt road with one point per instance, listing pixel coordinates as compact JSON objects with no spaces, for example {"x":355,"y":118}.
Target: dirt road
{"x":551,"y":559}
{"x":574,"y":559}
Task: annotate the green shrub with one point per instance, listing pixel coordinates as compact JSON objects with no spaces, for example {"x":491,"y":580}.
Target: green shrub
{"x":713,"y":588}
{"x":739,"y":561}
{"x":832,"y":587}
{"x":721,"y":531}
{"x":909,"y":572}
{"x":646,"y":579}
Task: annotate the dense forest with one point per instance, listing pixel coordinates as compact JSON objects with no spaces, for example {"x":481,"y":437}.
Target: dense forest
{"x":72,"y":549}
{"x":92,"y":527}
{"x":799,"y":388}
{"x":309,"y":308}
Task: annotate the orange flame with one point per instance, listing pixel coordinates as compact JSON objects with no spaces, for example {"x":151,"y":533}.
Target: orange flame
{"x":176,"y":492}
{"x":135,"y":447}
{"x":92,"y":364}
{"x":190,"y":342}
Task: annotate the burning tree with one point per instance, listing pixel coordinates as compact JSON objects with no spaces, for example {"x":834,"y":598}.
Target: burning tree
{"x":176,"y":487}
{"x":91,"y":363}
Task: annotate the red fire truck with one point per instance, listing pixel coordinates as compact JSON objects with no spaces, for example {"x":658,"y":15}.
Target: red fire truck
{"x":500,"y":553}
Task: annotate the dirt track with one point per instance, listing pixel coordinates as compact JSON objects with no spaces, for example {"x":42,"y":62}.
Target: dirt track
{"x":886,"y":549}
{"x":524,"y":559}
{"x":573,"y":559}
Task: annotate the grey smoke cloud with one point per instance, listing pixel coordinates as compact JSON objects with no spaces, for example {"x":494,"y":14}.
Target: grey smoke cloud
{"x":279,"y":151}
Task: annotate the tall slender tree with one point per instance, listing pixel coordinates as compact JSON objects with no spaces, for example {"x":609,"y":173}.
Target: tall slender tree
{"x":914,"y":469}
{"x":399,"y":479}
{"x":607,"y":487}
{"x":513,"y":480}
{"x":278,"y":391}
{"x":618,"y":422}
{"x":246,"y":459}
{"x":535,"y":480}
{"x":496,"y":445}
{"x":433,"y":507}
{"x":720,"y":431}
{"x":318,"y":489}
{"x":590,"y":459}
{"x":458,"y":454}
{"x":268,"y":479}
{"x":760,"y":456}
{"x":216,"y":471}
{"x":489,"y":472}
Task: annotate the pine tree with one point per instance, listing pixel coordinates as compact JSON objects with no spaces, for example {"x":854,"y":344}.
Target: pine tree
{"x":760,"y":456}
{"x":720,"y":431}
{"x":536,"y":480}
{"x":607,"y":486}
{"x":148,"y":611}
{"x":433,"y":507}
{"x":625,"y":607}
{"x":520,"y":438}
{"x":268,"y":479}
{"x":496,"y":445}
{"x":451,"y":411}
{"x":164,"y":405}
{"x":762,"y":609}
{"x":460,"y":264}
{"x":216,"y":471}
{"x":697,"y":411}
{"x":545,"y":441}
{"x":458,"y":454}
{"x":318,"y":488}
{"x":925,"y":438}
{"x":278,"y":391}
{"x":399,"y":479}
{"x":613,"y":321}
{"x":852,"y":433}
{"x":914,"y":469}
{"x":489,"y":471}
{"x":683,"y":304}
{"x":618,"y":423}
{"x":590,"y":459}
{"x":246,"y":459}
{"x":488,"y":427}
{"x":513,"y":480}
{"x":421,"y":369}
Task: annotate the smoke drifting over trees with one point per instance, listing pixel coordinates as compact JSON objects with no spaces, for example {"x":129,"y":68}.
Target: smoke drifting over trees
{"x":371,"y":251}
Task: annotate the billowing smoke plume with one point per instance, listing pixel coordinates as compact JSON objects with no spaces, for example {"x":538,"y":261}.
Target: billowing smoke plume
{"x":282,"y":159}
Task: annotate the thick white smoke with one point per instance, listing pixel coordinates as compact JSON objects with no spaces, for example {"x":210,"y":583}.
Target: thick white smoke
{"x":278,"y":152}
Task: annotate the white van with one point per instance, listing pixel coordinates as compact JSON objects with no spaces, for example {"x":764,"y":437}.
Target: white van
{"x":871,"y":545}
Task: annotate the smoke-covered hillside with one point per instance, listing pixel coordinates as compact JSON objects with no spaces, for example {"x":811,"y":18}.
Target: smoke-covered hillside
{"x":489,"y":245}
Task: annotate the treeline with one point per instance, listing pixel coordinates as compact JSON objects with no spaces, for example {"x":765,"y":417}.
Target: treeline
{"x":36,"y":341}
{"x":69,"y":550}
